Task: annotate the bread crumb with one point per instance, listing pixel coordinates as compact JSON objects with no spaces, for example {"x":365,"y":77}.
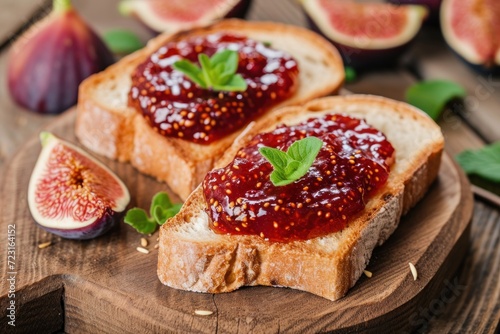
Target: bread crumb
{"x":368,"y":274}
{"x":142,"y":250}
{"x":413,"y":271}
{"x":144,"y":242}
{"x":156,"y":246}
{"x":203,"y":312}
{"x":45,"y":244}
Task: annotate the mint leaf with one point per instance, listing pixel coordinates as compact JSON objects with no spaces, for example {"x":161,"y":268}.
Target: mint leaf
{"x":350,"y":74}
{"x":217,"y":72}
{"x":121,"y":41}
{"x":292,"y":165}
{"x":277,"y":158}
{"x":432,"y":96}
{"x":161,"y":199}
{"x":160,"y":210}
{"x":138,"y":219}
{"x":235,"y":84}
{"x":192,"y":71}
{"x":484,"y":162}
{"x":161,"y":214}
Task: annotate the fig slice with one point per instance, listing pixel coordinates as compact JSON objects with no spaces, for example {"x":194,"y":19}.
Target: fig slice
{"x":471,"y":29}
{"x":366,"y":34}
{"x":175,"y":15}
{"x":73,"y":195}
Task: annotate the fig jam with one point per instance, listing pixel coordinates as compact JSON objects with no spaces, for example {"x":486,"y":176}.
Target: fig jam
{"x":177,"y":107}
{"x":353,"y":163}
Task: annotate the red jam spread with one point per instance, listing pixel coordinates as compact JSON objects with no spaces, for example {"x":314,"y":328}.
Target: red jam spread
{"x":177,"y":107}
{"x":353,"y":163}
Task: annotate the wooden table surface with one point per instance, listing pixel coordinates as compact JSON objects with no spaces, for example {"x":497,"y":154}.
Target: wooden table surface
{"x":477,"y":307}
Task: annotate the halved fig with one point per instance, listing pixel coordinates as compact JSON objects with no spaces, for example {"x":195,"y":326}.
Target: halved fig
{"x":366,"y":34}
{"x":471,"y":29}
{"x":176,"y":15}
{"x":72,"y":194}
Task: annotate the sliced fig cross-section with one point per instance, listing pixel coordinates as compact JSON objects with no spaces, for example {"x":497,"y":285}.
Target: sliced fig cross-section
{"x":366,"y":34}
{"x":174,"y":15}
{"x":72,"y":194}
{"x":471,"y":28}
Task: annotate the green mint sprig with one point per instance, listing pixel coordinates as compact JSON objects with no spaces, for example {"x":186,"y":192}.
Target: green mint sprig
{"x":484,"y":162}
{"x":291,"y":165}
{"x":161,"y":209}
{"x":217,"y":72}
{"x":432,"y":96}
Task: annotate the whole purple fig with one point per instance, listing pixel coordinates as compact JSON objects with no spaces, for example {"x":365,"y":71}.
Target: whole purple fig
{"x":52,"y":58}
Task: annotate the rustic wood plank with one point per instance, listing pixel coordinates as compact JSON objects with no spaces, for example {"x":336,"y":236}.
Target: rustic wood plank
{"x":477,"y":304}
{"x":116,"y":288}
{"x":394,"y":83}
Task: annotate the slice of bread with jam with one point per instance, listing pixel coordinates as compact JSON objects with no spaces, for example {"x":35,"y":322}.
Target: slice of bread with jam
{"x":140,"y":110}
{"x":317,"y":234}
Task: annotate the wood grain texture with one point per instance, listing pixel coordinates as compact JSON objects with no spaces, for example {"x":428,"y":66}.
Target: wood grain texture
{"x":109,"y":285}
{"x":475,"y":310}
{"x":480,"y":107}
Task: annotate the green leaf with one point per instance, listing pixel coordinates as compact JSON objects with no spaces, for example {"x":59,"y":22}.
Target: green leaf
{"x":138,"y":219}
{"x":279,"y":179}
{"x":432,"y":96}
{"x":217,"y":72}
{"x":305,"y":149}
{"x":161,"y":199}
{"x":228,"y":58}
{"x":350,"y":74}
{"x":484,"y":162}
{"x":277,"y":158}
{"x":292,"y":165}
{"x":121,"y":41}
{"x":162,"y":214}
{"x":161,"y":209}
{"x":190,"y":70}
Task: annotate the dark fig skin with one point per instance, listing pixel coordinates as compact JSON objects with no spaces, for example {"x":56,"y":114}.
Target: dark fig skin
{"x":102,"y":225}
{"x":432,"y":5}
{"x":364,"y":59}
{"x":240,"y":10}
{"x":48,"y":63}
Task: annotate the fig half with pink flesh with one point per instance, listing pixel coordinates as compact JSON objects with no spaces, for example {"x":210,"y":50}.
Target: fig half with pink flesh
{"x":73,"y":195}
{"x":366,"y":34}
{"x":472,"y":28}
{"x":175,"y":15}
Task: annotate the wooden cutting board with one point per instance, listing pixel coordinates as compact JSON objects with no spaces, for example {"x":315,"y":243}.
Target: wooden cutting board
{"x":106,"y":284}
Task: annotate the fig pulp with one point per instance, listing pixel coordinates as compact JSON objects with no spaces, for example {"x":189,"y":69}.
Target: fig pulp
{"x":471,"y":27}
{"x":73,"y":195}
{"x":366,"y":34}
{"x":52,"y":58}
{"x":175,"y":15}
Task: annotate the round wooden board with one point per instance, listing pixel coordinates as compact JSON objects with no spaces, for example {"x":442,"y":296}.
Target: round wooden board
{"x":88,"y":286}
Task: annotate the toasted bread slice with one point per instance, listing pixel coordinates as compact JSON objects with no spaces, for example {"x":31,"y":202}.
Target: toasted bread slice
{"x":193,"y":257}
{"x":106,"y":125}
